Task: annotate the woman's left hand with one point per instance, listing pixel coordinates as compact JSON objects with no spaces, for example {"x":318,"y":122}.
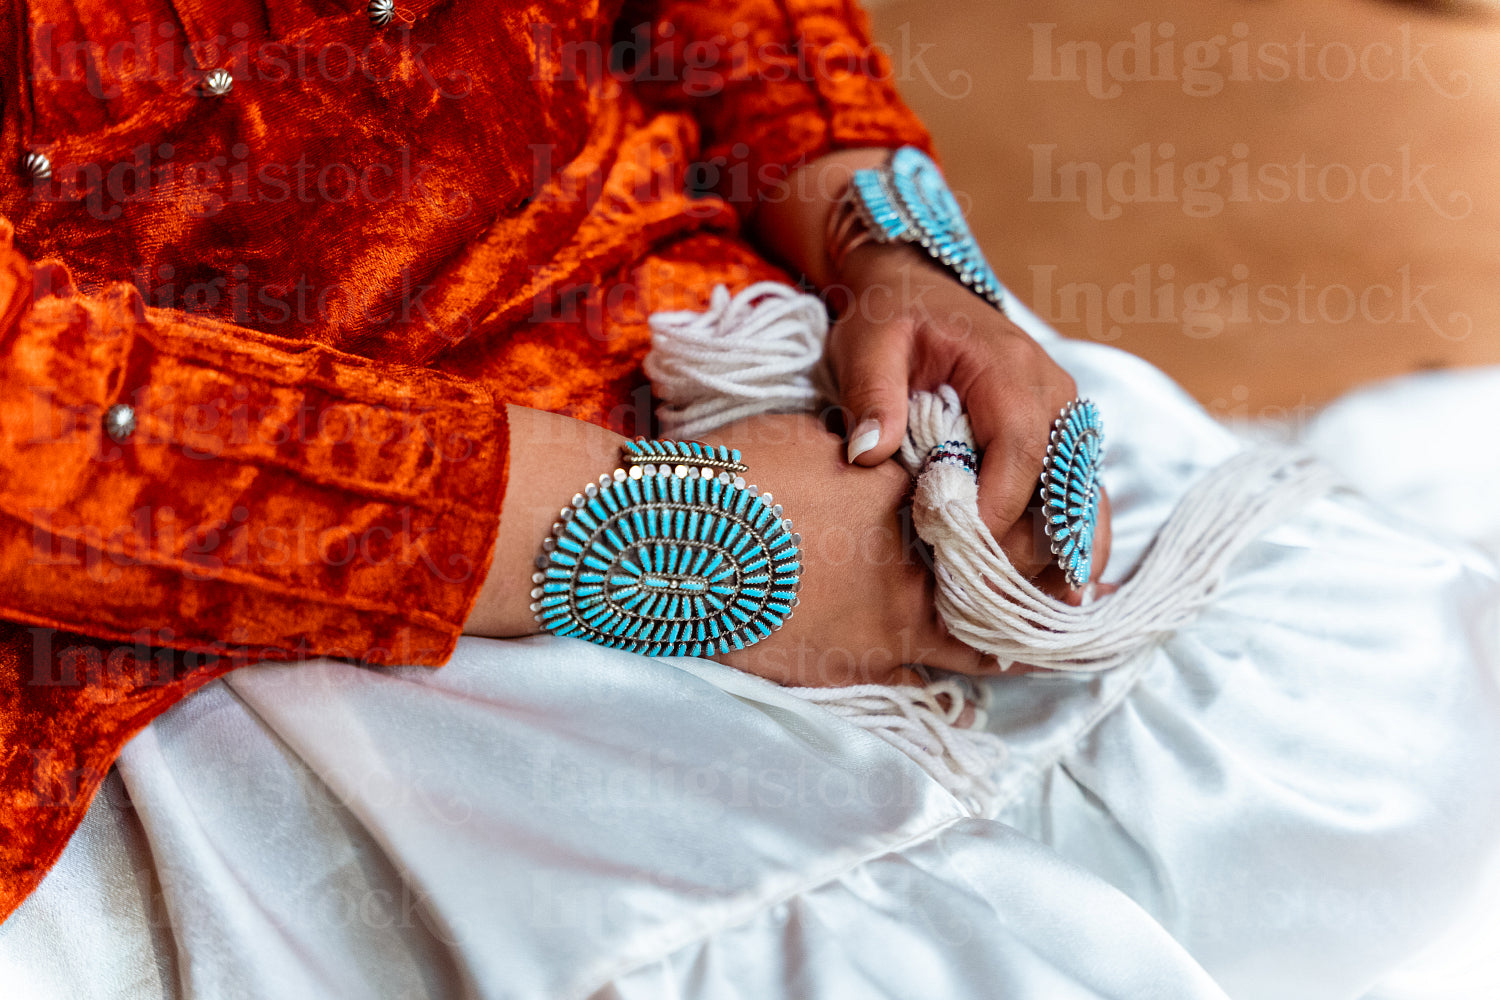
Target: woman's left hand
{"x":909,"y":324}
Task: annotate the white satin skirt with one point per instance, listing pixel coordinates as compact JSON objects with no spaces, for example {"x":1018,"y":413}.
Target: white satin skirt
{"x":1293,"y":797}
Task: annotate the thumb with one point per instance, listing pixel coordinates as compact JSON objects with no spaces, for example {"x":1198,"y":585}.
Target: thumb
{"x":872,"y":378}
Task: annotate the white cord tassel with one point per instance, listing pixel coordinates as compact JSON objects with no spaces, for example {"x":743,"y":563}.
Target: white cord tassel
{"x":753,"y":353}
{"x":759,"y":351}
{"x":991,"y":607}
{"x":915,"y":721}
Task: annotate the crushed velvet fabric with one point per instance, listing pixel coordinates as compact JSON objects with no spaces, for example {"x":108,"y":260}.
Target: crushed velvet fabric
{"x":318,"y":291}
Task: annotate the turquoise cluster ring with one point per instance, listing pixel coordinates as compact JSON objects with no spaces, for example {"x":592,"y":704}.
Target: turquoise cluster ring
{"x":672,"y":554}
{"x":1070,"y":489}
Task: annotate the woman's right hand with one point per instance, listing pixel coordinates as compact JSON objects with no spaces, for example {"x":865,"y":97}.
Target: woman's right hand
{"x":867,"y":611}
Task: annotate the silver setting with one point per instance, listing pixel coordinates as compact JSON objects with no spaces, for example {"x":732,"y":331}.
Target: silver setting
{"x":1054,"y":544}
{"x":119,"y":422}
{"x":218,"y":83}
{"x":913,"y":231}
{"x":713,"y":462}
{"x":572,"y":598}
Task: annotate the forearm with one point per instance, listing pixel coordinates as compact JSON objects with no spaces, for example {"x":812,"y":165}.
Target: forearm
{"x":551,"y":458}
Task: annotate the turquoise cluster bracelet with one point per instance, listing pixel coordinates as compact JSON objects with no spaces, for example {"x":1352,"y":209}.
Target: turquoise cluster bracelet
{"x":907,"y":201}
{"x":672,"y":554}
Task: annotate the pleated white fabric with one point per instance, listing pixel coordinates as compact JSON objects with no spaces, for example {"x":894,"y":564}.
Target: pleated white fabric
{"x":1292,"y":797}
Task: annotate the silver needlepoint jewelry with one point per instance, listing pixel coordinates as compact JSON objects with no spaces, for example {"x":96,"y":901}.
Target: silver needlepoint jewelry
{"x":907,"y":201}
{"x":381,"y":12}
{"x":119,"y":421}
{"x":37,"y":166}
{"x":1070,"y":489}
{"x":667,"y":557}
{"x":218,"y":83}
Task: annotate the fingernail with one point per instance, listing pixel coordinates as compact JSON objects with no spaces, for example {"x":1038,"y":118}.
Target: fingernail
{"x":865,"y":437}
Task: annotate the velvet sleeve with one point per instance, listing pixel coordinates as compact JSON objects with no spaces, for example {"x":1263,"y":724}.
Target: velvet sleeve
{"x":772,"y":83}
{"x":272,"y":494}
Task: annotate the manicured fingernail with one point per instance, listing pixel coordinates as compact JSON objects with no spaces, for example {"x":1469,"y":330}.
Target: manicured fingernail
{"x":865,"y":437}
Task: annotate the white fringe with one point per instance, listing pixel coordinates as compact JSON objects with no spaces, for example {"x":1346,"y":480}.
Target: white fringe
{"x":915,"y":721}
{"x":990,"y":606}
{"x":750,"y":354}
{"x":760,"y":351}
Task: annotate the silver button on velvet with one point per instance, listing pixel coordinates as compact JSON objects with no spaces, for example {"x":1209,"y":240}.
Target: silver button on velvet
{"x":218,"y":83}
{"x":381,"y":12}
{"x":119,"y":421}
{"x":37,"y":166}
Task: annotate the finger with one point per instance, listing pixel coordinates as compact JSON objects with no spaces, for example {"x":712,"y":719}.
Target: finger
{"x":1026,"y":543}
{"x":1012,"y":425}
{"x":940,"y":650}
{"x":1103,"y":536}
{"x":1089,"y":593}
{"x":872,"y":369}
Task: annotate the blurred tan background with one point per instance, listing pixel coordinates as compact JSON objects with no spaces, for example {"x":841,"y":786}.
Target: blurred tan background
{"x":1273,"y":201}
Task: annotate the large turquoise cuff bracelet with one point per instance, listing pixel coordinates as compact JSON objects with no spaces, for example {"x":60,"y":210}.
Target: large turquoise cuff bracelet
{"x":907,"y":200}
{"x":670,"y":555}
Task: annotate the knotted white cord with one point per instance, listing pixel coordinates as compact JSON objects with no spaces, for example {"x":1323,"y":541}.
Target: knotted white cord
{"x":990,"y":606}
{"x":750,"y":354}
{"x":759,"y":351}
{"x":915,"y":721}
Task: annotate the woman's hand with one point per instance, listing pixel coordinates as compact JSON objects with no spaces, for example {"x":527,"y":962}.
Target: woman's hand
{"x":909,"y":324}
{"x":867,"y":592}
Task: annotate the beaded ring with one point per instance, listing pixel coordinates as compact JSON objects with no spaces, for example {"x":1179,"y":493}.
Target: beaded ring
{"x":959,"y":453}
{"x":670,"y":555}
{"x":1070,"y":488}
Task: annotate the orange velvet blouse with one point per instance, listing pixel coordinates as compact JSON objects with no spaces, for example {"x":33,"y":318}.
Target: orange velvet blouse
{"x":315,"y":278}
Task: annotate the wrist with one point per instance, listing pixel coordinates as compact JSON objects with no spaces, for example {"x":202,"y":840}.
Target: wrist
{"x":890,"y":267}
{"x":793,"y":227}
{"x":551,"y":458}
